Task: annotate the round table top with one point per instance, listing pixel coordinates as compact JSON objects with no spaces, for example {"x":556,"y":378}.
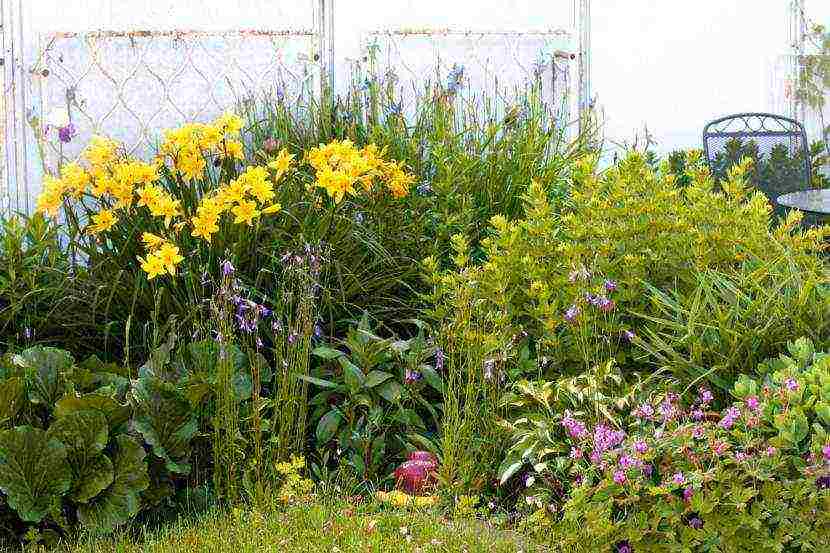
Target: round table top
{"x":812,"y":201}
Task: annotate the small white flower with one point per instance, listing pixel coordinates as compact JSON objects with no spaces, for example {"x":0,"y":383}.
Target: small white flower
{"x":529,"y":482}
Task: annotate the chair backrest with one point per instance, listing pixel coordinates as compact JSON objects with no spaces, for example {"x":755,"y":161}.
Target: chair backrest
{"x":777,"y":145}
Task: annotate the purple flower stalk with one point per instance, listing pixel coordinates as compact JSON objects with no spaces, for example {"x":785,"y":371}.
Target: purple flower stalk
{"x":67,"y":133}
{"x":705,"y":396}
{"x":624,"y":547}
{"x":439,"y":359}
{"x":628,"y":335}
{"x":412,"y":376}
{"x":688,"y":493}
{"x":644,"y":411}
{"x":678,"y":478}
{"x":227,"y":268}
{"x":698,"y":415}
{"x":576,"y":429}
{"x":610,"y":286}
{"x":640,"y":446}
{"x":619,"y":476}
{"x":752,"y":403}
{"x":696,"y":523}
{"x":791,"y":384}
{"x":572,"y":313}
{"x":826,"y":452}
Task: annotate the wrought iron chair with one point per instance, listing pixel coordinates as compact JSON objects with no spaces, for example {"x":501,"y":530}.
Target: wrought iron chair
{"x":777,"y":145}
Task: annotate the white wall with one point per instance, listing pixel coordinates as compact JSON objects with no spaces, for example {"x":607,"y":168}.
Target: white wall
{"x":674,"y":65}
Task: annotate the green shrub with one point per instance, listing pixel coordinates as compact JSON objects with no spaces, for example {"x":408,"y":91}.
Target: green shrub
{"x":573,"y":280}
{"x":755,"y":477}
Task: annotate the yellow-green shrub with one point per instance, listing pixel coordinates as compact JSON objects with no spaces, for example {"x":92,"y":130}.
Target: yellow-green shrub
{"x":572,"y":280}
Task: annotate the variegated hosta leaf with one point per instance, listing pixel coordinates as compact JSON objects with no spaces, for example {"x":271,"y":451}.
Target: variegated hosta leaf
{"x":166,"y":421}
{"x":85,"y":434}
{"x":34,"y":473}
{"x":46,"y":369}
{"x":120,"y":501}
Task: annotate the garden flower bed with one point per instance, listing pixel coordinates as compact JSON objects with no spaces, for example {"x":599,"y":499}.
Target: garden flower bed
{"x":468,"y":322}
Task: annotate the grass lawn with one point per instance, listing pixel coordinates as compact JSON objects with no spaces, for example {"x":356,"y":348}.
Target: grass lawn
{"x":336,"y":528}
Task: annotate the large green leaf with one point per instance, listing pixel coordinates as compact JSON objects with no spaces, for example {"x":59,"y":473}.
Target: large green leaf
{"x":352,"y":375}
{"x":92,"y":374}
{"x":115,"y":412}
{"x":12,"y":392}
{"x":119,"y":502}
{"x":34,"y":473}
{"x":165,"y":420}
{"x":85,"y":434}
{"x":327,"y":426}
{"x":46,"y":370}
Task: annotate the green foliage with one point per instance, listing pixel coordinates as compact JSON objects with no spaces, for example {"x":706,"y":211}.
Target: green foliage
{"x":34,"y":473}
{"x":374,"y":399}
{"x":85,"y":434}
{"x":65,"y":452}
{"x":165,"y":420}
{"x":727,"y":323}
{"x":753,"y":477}
{"x":120,"y":501}
{"x":576,"y":282}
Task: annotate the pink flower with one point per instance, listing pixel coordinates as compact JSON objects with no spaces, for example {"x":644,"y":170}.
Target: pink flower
{"x":698,"y":415}
{"x":771,"y":451}
{"x":576,"y":453}
{"x":753,"y":403}
{"x":826,"y":451}
{"x":688,"y":493}
{"x":644,"y":411}
{"x":626,"y":462}
{"x":705,"y":396}
{"x":678,"y":478}
{"x":640,"y":446}
{"x":720,"y":448}
{"x":741,"y":456}
{"x":698,"y":432}
{"x":728,"y":420}
{"x":791,"y":384}
{"x":619,"y":477}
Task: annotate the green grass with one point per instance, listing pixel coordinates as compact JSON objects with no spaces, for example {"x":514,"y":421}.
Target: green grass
{"x":333,"y":528}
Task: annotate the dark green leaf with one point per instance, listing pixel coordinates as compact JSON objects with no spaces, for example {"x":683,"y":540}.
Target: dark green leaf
{"x":121,"y":500}
{"x":327,"y":426}
{"x":85,"y":434}
{"x":432,"y":378}
{"x":34,"y":473}
{"x":390,"y":391}
{"x":46,"y":370}
{"x":326,"y":352}
{"x":376,"y":377}
{"x":165,"y":420}
{"x":317,"y":381}
{"x":352,"y":375}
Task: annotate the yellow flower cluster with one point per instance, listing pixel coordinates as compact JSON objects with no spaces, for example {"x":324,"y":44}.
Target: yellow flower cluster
{"x":294,"y":486}
{"x":189,"y":145}
{"x":340,"y":166}
{"x":246,"y":197}
{"x":397,"y":498}
{"x":163,"y":257}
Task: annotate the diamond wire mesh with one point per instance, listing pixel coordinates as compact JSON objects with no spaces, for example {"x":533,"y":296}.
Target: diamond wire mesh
{"x":130,"y":84}
{"x":493,"y":64}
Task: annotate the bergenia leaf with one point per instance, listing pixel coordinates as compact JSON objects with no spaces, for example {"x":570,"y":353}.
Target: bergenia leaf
{"x":46,"y":369}
{"x":115,"y":412}
{"x":34,"y":473}
{"x":85,"y":434}
{"x":120,"y":501}
{"x":12,"y":394}
{"x":165,"y":420}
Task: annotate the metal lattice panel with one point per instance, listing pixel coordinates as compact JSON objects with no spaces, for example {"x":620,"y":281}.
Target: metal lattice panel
{"x":493,"y":63}
{"x":129,"y":85}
